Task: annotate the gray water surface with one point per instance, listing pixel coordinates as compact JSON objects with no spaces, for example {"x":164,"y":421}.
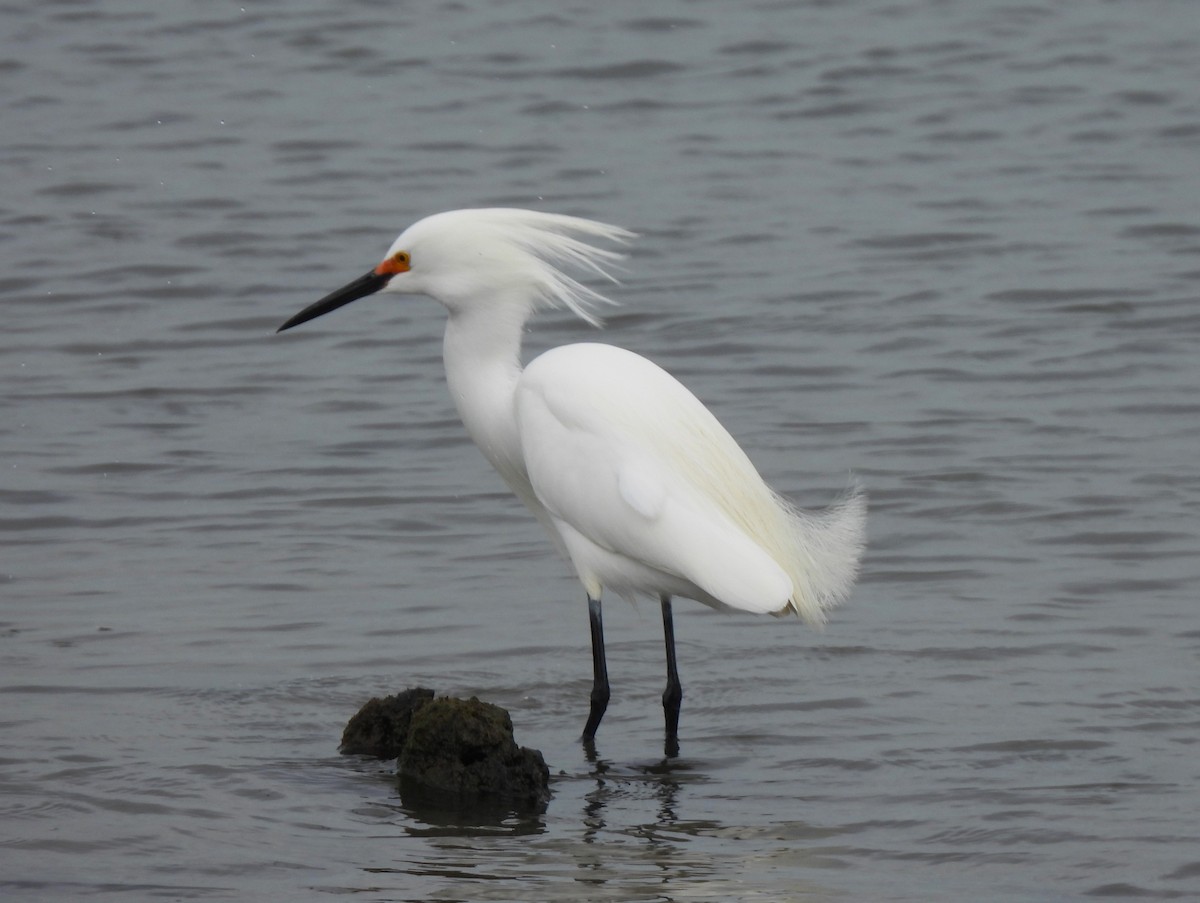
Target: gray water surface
{"x":950,"y":250}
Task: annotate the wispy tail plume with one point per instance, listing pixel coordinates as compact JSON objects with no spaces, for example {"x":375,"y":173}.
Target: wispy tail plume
{"x":828,"y":545}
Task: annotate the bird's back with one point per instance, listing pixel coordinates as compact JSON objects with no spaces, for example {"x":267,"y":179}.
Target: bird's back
{"x":635,"y":469}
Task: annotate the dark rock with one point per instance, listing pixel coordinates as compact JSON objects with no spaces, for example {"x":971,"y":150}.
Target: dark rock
{"x":381,"y":726}
{"x":463,"y":749}
{"x":456,"y":756}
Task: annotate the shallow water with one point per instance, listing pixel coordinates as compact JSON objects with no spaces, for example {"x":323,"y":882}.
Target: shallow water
{"x":951,"y":249}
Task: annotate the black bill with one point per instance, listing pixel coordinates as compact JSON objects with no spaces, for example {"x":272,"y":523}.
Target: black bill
{"x":359,"y":288}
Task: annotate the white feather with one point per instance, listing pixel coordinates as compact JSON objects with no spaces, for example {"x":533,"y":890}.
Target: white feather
{"x":524,"y":249}
{"x":611,"y":425}
{"x":634,"y":478}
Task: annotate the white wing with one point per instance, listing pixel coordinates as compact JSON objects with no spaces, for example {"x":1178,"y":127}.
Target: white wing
{"x":640,"y":478}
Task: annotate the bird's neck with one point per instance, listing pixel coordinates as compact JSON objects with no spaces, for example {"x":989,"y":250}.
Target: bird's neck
{"x":482,"y":354}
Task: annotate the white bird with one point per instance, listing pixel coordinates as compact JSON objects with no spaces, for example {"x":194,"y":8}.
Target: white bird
{"x":637,"y":483}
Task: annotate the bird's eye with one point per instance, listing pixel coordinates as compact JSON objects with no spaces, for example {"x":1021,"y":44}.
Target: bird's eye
{"x":402,"y":257}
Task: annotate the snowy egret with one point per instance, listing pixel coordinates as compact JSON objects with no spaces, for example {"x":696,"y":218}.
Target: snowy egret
{"x":637,"y":483}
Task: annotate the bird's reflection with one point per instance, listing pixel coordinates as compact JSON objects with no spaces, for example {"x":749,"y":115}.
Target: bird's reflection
{"x":665,"y":777}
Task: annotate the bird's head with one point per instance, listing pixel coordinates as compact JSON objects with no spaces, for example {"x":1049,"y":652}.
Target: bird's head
{"x":471,"y":258}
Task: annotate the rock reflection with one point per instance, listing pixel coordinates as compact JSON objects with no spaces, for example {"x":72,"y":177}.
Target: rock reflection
{"x":432,"y":815}
{"x":627,"y":829}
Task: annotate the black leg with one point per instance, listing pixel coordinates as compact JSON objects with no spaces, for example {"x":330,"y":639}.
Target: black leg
{"x":673,"y":695}
{"x":600,"y":690}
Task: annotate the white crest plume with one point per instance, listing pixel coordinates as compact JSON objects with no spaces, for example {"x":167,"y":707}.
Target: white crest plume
{"x":538,"y":249}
